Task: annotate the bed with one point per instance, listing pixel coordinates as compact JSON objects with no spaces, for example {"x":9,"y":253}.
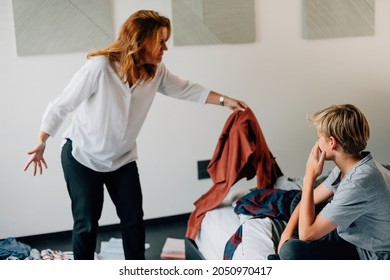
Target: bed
{"x":244,"y":223}
{"x":259,"y":235}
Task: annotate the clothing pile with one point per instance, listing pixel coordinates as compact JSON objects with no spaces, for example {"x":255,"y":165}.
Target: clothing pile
{"x":11,"y":249}
{"x":49,"y":254}
{"x":14,"y":250}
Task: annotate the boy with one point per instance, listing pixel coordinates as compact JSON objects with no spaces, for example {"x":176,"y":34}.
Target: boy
{"x":355,"y":223}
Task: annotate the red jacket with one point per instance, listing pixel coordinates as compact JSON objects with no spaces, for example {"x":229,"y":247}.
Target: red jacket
{"x":241,"y":152}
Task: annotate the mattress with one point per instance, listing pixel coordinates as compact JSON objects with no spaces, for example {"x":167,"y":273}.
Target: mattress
{"x":217,"y":227}
{"x":221,"y":223}
{"x":259,"y":236}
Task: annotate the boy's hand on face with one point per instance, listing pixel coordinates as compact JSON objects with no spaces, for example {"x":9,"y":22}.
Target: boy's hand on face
{"x":315,"y":162}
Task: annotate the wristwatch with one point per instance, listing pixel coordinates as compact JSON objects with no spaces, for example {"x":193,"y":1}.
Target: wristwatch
{"x":222,"y":100}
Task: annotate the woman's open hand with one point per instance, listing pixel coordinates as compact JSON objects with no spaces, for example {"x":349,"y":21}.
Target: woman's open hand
{"x":37,"y":158}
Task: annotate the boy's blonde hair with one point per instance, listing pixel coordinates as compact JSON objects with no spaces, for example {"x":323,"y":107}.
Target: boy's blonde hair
{"x":346,"y":123}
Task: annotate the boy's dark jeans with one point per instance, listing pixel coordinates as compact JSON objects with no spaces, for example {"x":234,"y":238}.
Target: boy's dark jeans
{"x":330,"y":247}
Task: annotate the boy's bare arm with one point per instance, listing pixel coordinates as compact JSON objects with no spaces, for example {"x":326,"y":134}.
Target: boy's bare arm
{"x":312,"y":226}
{"x":321,"y":194}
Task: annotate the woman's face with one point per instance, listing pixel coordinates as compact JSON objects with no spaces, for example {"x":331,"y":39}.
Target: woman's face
{"x":153,"y":56}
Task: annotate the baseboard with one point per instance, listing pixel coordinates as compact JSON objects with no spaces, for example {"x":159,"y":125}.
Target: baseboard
{"x":102,"y":229}
{"x":174,"y":218}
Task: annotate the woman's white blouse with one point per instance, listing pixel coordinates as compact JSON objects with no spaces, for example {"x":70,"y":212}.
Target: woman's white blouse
{"x":109,"y":114}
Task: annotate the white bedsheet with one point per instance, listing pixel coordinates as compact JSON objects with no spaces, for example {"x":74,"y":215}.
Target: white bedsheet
{"x":221,"y":223}
{"x":257,"y":241}
{"x":217,"y":227}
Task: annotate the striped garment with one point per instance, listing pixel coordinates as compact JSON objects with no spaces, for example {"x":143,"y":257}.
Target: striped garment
{"x":260,"y":203}
{"x":49,"y":254}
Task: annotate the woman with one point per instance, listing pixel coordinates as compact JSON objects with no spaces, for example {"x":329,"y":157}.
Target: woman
{"x":112,"y":93}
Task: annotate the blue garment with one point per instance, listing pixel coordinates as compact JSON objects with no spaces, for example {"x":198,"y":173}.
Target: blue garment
{"x":261,"y":203}
{"x":9,"y":247}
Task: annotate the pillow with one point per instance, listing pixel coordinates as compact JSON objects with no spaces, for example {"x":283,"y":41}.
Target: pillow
{"x":232,"y":196}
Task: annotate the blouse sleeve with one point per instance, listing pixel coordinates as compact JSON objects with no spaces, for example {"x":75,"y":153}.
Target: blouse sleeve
{"x":172,"y":85}
{"x":81,"y":87}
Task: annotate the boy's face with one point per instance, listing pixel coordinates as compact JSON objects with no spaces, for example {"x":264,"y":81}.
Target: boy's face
{"x":324,"y":144}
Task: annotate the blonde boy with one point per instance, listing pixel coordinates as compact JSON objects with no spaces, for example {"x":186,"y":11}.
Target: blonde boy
{"x":355,"y":223}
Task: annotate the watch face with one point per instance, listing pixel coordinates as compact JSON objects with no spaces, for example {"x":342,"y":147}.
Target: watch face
{"x":222,"y":100}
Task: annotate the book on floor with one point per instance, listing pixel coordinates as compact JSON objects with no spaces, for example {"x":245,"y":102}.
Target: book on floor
{"x":173,"y":249}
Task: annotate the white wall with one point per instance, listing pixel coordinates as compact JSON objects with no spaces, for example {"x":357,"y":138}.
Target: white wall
{"x":281,"y":76}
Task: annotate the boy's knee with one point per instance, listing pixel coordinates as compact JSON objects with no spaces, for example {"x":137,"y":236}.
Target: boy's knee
{"x":292,"y":249}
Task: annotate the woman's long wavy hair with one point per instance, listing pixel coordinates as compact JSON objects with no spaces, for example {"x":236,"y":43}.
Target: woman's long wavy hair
{"x":125,"y":54}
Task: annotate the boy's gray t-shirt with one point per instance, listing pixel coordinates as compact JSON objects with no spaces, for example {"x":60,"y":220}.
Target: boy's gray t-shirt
{"x":361,"y":207}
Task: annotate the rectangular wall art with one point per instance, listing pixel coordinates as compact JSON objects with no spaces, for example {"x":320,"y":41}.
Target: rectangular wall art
{"x":60,"y":26}
{"x":338,"y":18}
{"x":200,"y":22}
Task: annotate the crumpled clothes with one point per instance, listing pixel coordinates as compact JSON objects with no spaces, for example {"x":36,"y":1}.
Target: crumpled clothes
{"x":49,"y":254}
{"x":10,"y":248}
{"x":34,"y":255}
